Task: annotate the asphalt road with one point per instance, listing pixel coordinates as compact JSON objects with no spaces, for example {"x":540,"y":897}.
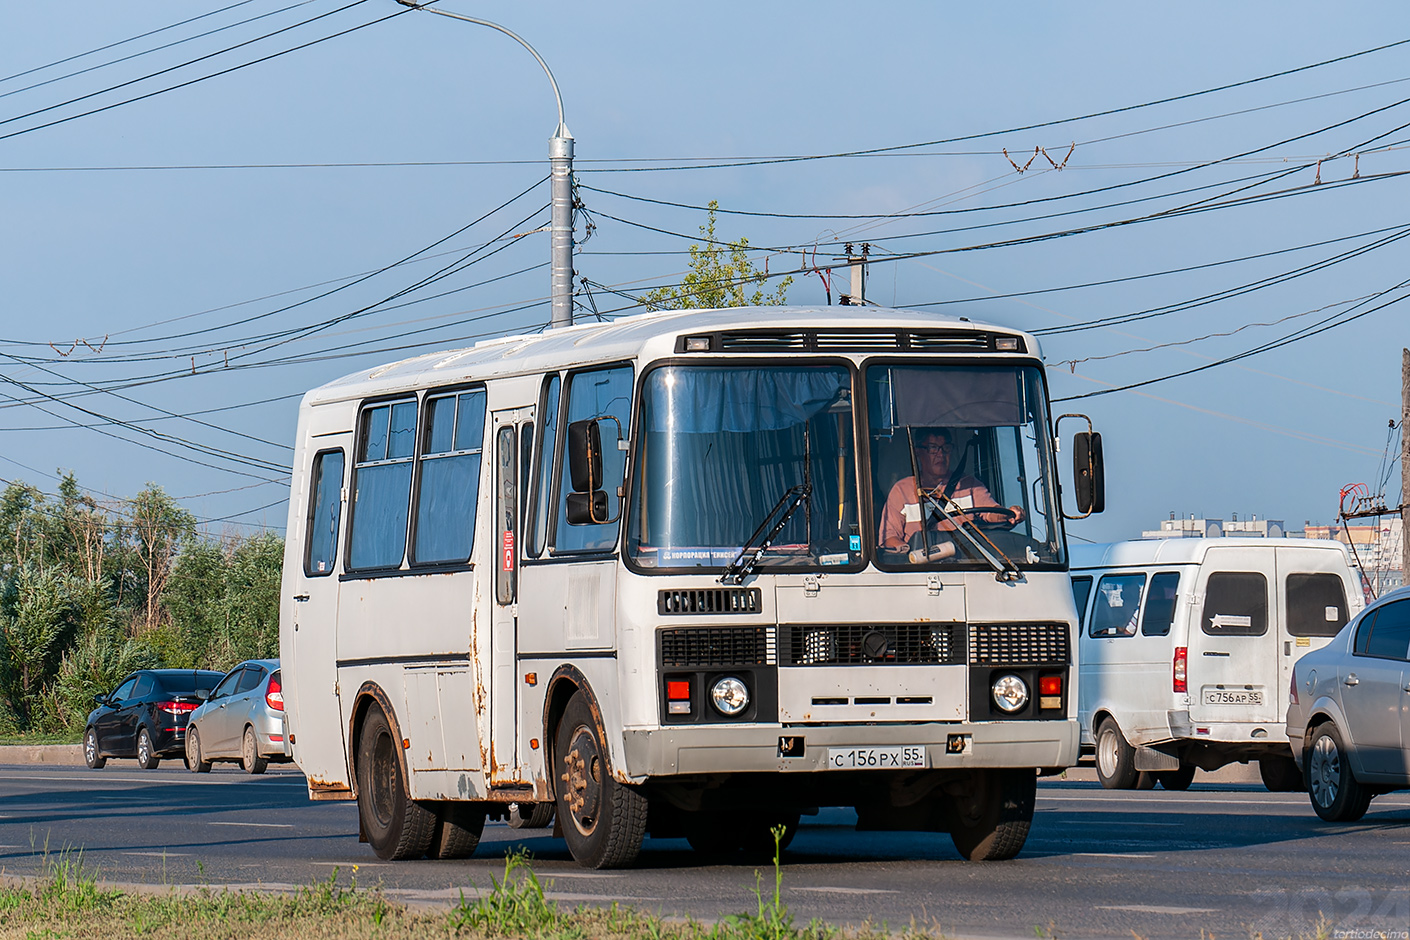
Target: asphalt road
{"x":1231,"y":861}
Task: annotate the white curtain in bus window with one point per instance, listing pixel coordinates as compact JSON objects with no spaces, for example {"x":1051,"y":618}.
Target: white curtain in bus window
{"x":602,"y":394}
{"x":722,"y":447}
{"x":325,"y":508}
{"x":1160,"y":604}
{"x":448,"y":485}
{"x":1117,"y":604}
{"x":1316,"y":604}
{"x":382,"y":486}
{"x":1235,"y":604}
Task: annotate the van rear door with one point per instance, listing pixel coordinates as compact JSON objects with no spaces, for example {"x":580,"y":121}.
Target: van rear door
{"x":1317,"y":593}
{"x":1233,"y":662}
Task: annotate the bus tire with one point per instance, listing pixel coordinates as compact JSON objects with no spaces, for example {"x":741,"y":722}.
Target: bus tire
{"x":530,"y":815}
{"x":991,"y":819}
{"x":458,"y":830}
{"x":1336,"y":794}
{"x":1176,"y":779}
{"x":603,"y":820}
{"x":1116,"y":759}
{"x":396,"y":826}
{"x":1280,"y":775}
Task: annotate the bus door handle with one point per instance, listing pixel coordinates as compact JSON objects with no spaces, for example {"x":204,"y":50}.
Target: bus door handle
{"x":1352,"y":680}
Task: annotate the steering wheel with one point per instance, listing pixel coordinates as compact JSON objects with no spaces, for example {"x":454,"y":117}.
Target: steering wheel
{"x":981,"y":517}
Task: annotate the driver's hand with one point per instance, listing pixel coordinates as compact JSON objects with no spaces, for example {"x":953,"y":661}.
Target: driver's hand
{"x":1017,"y":514}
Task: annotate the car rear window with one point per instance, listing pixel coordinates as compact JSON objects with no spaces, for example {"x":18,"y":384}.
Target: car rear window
{"x":1235,"y":604}
{"x":253,"y":676}
{"x":186,"y":683}
{"x":1316,"y":605}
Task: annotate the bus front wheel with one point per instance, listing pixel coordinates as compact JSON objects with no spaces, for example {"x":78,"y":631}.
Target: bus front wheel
{"x":992,"y":812}
{"x":397,"y":826}
{"x":603,"y":819}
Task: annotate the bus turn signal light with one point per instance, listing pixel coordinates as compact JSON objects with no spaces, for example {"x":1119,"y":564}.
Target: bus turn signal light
{"x":678,"y":696}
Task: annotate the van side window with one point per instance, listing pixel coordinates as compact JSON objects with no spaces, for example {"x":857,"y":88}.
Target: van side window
{"x":381,"y":485}
{"x":1390,"y":634}
{"x":600,"y":395}
{"x":448,"y":481}
{"x":1160,"y":604}
{"x":1081,"y":588}
{"x":325,"y":510}
{"x":537,"y":510}
{"x":1235,"y":604}
{"x":1316,"y":604}
{"x":1117,"y":603}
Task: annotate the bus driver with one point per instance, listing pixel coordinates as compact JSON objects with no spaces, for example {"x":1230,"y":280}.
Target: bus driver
{"x":901,"y":518}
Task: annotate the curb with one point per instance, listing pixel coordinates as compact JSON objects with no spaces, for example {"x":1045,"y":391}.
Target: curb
{"x":64,"y":755}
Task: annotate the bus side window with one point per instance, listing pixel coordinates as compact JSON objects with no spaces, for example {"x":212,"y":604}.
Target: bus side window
{"x":448,"y":481}
{"x":381,"y":486}
{"x":600,"y":394}
{"x":536,"y":512}
{"x":1081,"y":587}
{"x":325,"y":509}
{"x":1160,"y":604}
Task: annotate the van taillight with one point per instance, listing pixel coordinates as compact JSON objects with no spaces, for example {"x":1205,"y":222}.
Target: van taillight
{"x":274,"y":695}
{"x":1178,"y":675}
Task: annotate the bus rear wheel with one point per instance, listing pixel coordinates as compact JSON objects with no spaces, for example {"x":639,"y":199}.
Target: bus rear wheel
{"x":396,"y":826}
{"x":458,"y":830}
{"x":603,"y":819}
{"x":992,"y":812}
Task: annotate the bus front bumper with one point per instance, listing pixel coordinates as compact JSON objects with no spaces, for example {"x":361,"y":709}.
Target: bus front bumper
{"x":714,"y":749}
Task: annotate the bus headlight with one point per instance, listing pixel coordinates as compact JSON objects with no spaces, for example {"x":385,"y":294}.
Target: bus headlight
{"x":1010,"y":693}
{"x":730,"y":696}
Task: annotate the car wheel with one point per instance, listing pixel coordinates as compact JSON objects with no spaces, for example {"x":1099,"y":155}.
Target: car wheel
{"x":530,"y":815}
{"x":992,"y":818}
{"x":147,"y":758}
{"x":1336,"y":794}
{"x":195,"y":760}
{"x":249,"y":754}
{"x":458,"y":829}
{"x":1280,"y":775}
{"x":1176,"y":779}
{"x":1116,"y":759}
{"x":396,"y":826}
{"x":91,"y":755}
{"x":603,"y":820}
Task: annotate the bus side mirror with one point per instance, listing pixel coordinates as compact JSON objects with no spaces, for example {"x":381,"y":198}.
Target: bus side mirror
{"x":1088,"y":473}
{"x":587,"y":508}
{"x":584,"y":458}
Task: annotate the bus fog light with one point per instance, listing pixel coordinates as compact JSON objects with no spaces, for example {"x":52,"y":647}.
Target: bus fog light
{"x":1010,"y":693}
{"x":730,"y":696}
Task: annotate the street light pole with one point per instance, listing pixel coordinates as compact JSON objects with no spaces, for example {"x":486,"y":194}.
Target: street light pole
{"x":560,"y":162}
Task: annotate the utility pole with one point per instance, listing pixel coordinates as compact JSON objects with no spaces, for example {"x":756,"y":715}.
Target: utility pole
{"x":857,"y":264}
{"x":1404,"y":466}
{"x":560,"y":162}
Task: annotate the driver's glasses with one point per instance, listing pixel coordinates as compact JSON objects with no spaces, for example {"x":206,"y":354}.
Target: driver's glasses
{"x":934,"y":449}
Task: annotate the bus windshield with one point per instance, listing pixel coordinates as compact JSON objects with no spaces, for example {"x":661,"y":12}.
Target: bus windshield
{"x":975,"y":437}
{"x":727,"y":452}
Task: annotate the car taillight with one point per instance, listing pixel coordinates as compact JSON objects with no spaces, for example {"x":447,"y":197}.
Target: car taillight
{"x":1178,"y":674}
{"x":274,"y":695}
{"x":177,"y":708}
{"x":1292,"y":689}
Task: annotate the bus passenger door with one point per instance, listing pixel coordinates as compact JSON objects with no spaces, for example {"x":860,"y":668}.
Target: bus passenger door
{"x":504,"y":759}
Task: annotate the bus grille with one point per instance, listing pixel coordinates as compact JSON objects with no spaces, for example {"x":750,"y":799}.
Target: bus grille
{"x":709,"y":601}
{"x":1012,"y":644}
{"x":717,"y":646}
{"x":864,"y":644}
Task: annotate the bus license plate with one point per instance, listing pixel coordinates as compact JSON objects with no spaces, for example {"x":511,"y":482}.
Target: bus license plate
{"x":878,"y":758}
{"x":1232,"y":697}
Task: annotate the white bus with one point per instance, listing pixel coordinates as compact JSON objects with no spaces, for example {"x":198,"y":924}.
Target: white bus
{"x":672,"y":574}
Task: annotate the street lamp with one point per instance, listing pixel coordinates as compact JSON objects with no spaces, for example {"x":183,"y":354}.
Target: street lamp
{"x":560,"y":162}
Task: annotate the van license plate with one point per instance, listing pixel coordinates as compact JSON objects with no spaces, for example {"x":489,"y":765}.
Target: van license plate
{"x":1233,"y":697}
{"x":879,"y":758}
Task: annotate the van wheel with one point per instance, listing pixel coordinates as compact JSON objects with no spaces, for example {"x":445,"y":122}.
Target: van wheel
{"x":1116,"y":759}
{"x":458,"y":829}
{"x":397,"y":826}
{"x":992,"y":815}
{"x":1176,"y":779}
{"x":603,"y":820}
{"x":530,"y":815}
{"x":1280,"y":775}
{"x":1335,"y":793}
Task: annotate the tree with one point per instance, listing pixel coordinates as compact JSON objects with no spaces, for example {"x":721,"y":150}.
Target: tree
{"x":155,"y":531}
{"x":36,"y":617}
{"x":720,"y":276}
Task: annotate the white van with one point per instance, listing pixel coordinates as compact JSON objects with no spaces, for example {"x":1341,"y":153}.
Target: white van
{"x":1187,"y":648}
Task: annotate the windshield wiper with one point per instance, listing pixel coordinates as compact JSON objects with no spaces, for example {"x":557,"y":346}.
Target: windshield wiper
{"x":1004,"y":570}
{"x":745,"y":562}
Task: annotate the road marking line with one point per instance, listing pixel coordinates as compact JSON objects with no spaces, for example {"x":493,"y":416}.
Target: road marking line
{"x":1156,"y":909}
{"x":353,"y":864}
{"x":256,"y":825}
{"x":1112,"y":855}
{"x":160,"y":854}
{"x":834,"y":890}
{"x":575,"y":874}
{"x":1132,"y":824}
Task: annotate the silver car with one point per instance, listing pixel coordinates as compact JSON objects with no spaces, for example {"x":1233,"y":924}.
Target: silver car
{"x":1349,"y":711}
{"x":242,"y":721}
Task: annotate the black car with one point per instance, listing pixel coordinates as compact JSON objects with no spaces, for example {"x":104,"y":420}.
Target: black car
{"x":145,"y":716}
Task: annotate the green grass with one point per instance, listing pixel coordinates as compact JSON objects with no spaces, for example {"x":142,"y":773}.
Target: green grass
{"x":62,"y":737}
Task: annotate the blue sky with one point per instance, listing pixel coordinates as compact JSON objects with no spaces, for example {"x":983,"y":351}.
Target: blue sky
{"x":214,"y":283}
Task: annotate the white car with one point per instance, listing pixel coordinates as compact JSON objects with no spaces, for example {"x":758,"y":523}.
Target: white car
{"x":242,"y":721}
{"x":1349,"y":714}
